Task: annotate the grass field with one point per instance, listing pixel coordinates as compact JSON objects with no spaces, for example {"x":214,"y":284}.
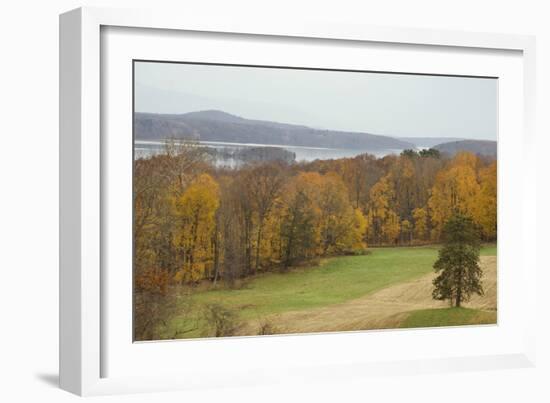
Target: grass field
{"x":448,"y":317}
{"x":339,"y":294}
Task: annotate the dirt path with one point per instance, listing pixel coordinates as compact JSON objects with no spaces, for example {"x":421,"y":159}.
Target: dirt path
{"x":385,"y":308}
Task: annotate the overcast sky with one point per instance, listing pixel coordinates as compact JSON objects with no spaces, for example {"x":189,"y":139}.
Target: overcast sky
{"x":388,"y":104}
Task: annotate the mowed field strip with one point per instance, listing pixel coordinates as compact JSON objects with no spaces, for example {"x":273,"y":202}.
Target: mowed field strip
{"x":389,"y":307}
{"x":389,"y":288}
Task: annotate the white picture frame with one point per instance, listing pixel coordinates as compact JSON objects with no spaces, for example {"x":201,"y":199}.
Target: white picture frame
{"x":85,"y":345}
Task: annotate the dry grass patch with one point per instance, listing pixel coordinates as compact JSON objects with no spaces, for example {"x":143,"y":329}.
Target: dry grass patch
{"x":391,"y":306}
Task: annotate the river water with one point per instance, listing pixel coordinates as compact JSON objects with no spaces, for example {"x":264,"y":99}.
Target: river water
{"x":146,"y":148}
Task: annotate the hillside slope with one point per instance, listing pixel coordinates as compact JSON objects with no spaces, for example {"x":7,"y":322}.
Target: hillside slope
{"x":480,"y":147}
{"x":427,"y":142}
{"x":220,"y":126}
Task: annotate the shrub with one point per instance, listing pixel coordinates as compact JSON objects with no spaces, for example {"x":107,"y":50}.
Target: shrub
{"x":267,"y":327}
{"x":220,"y":321}
{"x":154,"y":305}
{"x":357,"y":252}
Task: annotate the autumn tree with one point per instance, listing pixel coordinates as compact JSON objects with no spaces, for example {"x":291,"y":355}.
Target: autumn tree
{"x":420,"y":219}
{"x":156,"y":181}
{"x":149,"y":196}
{"x":485,"y":212}
{"x":359,"y":175}
{"x":404,"y":182}
{"x":383,"y":223}
{"x":182,"y":161}
{"x":151,"y":302}
{"x":245,"y":215}
{"x":229,"y":253}
{"x":426,"y":168}
{"x":459,"y":273}
{"x":299,"y":229}
{"x":195,"y":211}
{"x":406,"y":231}
{"x":456,"y":189}
{"x":341,"y":226}
{"x":263,"y":186}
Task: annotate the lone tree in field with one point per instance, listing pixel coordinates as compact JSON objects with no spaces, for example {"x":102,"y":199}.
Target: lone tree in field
{"x":458,"y":263}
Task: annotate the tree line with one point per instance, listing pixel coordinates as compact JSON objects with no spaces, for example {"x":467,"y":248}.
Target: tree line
{"x":195,"y":221}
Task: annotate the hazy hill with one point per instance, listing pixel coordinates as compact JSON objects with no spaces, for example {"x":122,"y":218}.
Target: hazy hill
{"x":427,"y":142}
{"x":220,"y":126}
{"x":481,"y":147}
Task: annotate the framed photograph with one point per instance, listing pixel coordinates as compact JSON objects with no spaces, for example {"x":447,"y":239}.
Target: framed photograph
{"x":254,"y":202}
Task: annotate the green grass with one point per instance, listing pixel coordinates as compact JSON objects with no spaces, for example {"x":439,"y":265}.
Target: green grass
{"x":336,"y":280}
{"x":448,"y":317}
{"x":489,"y":250}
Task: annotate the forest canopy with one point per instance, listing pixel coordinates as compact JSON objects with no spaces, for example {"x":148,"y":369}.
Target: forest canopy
{"x":194,"y":221}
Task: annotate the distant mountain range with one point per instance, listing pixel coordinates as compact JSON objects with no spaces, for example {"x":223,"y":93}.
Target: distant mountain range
{"x":481,"y":147}
{"x":215,"y":125}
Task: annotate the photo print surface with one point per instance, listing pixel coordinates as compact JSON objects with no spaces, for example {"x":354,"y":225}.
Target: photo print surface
{"x":273,"y":200}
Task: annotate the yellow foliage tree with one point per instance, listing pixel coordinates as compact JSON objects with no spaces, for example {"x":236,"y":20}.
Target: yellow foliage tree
{"x":318,"y":218}
{"x":383,"y":223}
{"x":391,"y":227}
{"x":341,"y":226}
{"x":420,"y":217}
{"x":485,"y":212}
{"x":195,"y":211}
{"x":402,"y":177}
{"x":455,"y":190}
{"x":271,"y":244}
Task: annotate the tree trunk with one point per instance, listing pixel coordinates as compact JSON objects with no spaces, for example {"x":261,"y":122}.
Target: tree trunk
{"x":259,"y":239}
{"x":459,"y":287}
{"x":248,"y":242}
{"x":458,"y":295}
{"x":216,"y":256}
